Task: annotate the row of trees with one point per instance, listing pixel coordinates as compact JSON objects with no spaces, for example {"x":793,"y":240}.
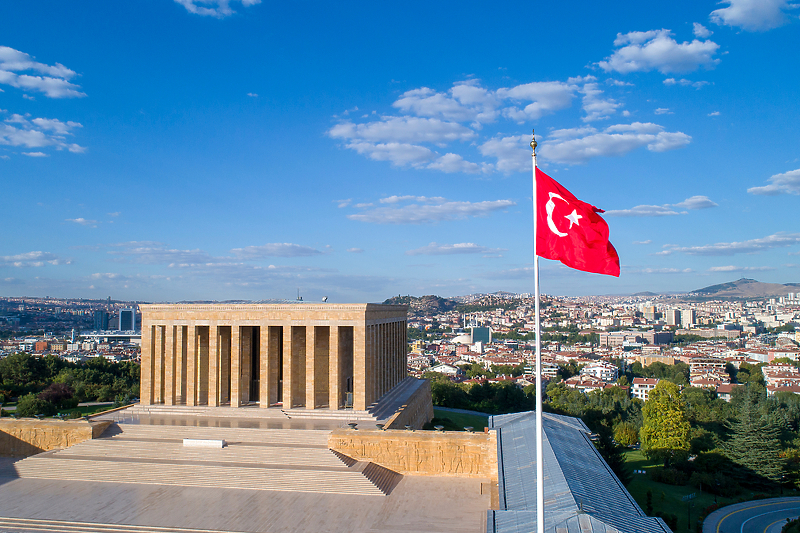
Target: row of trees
{"x":94,"y":380}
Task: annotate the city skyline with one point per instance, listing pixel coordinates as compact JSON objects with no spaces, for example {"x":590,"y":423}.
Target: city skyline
{"x":214,"y":149}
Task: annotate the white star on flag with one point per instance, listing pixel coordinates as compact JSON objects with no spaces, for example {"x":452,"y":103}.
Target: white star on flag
{"x":573,"y":218}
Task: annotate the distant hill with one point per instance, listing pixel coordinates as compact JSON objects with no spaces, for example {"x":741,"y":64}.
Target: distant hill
{"x":645,"y":293}
{"x":424,"y":305}
{"x":747,"y":288}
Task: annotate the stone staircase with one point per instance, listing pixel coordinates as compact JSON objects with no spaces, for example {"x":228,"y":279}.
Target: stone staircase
{"x":255,"y":459}
{"x":378,"y":412}
{"x":33,"y":525}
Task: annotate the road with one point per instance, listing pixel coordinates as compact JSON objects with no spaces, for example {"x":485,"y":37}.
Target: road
{"x":758,"y":516}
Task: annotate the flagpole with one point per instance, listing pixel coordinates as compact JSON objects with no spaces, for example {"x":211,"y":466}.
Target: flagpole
{"x":539,"y":454}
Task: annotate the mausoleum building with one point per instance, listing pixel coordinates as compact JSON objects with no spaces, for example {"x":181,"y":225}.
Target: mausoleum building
{"x":312,"y":356}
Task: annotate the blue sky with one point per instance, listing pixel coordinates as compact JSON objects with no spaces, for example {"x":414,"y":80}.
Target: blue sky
{"x":194,"y":149}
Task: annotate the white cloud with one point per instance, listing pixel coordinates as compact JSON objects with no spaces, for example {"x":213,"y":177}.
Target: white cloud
{"x":701,"y":31}
{"x":399,"y":154}
{"x":33,"y":259}
{"x":686,"y":83}
{"x":597,"y":108}
{"x":546,"y":97}
{"x":657,"y":50}
{"x":615,"y":140}
{"x":395,"y":199}
{"x":435,"y":120}
{"x":714,"y":114}
{"x":732,"y":268}
{"x":276,"y":249}
{"x":464,"y":102}
{"x":643,"y":211}
{"x":753,"y":15}
{"x":662,"y":111}
{"x":513,"y":153}
{"x":786,"y":183}
{"x":53,"y":83}
{"x":450,"y":163}
{"x":694,"y":202}
{"x":777,"y":240}
{"x":214,"y":8}
{"x":648,"y":241}
{"x":18,"y":130}
{"x":451,"y":249}
{"x":252,"y":95}
{"x":663,"y":270}
{"x":35,"y":154}
{"x":403,"y":130}
{"x":425,"y":212}
{"x":83,"y":221}
{"x":155,"y":253}
{"x":355,"y":250}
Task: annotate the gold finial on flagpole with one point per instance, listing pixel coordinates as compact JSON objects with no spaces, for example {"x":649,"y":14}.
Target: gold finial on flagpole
{"x":534,"y":144}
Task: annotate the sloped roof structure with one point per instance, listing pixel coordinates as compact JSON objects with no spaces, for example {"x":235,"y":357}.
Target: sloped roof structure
{"x":581,"y":494}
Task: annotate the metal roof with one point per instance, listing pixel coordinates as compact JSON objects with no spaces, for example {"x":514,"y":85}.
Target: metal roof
{"x":582,"y":494}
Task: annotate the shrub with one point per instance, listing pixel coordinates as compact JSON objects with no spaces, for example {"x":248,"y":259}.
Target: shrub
{"x":670,"y":476}
{"x":60,"y":395}
{"x":670,"y":519}
{"x":30,"y":405}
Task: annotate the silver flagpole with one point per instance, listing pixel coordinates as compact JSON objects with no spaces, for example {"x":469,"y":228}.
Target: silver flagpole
{"x":539,"y":454}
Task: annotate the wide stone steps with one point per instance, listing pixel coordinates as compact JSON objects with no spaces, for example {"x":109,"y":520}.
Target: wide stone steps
{"x":32,"y":525}
{"x":175,"y":451}
{"x":197,"y":475}
{"x":271,"y":436}
{"x":201,"y":410}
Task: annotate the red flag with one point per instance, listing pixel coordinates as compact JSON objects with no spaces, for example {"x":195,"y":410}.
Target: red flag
{"x":571,"y":231}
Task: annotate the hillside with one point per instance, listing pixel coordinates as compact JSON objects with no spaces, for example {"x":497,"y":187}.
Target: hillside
{"x":423,"y":305}
{"x":747,"y":288}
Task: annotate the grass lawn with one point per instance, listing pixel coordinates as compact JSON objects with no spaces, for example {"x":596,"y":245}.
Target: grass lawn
{"x":458,"y":421}
{"x":668,"y":498}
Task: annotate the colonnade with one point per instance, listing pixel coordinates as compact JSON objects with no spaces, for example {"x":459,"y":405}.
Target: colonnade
{"x":218,"y":355}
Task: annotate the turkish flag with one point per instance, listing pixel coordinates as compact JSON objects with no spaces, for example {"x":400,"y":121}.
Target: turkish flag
{"x":571,"y":231}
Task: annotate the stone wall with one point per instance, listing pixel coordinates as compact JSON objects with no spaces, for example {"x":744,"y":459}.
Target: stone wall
{"x":422,"y":453}
{"x":24,"y":437}
{"x":417,"y":412}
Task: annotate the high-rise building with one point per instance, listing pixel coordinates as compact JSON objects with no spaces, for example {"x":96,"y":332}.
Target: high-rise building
{"x":688,"y":317}
{"x":100,"y":320}
{"x":673,"y":317}
{"x":127,"y":319}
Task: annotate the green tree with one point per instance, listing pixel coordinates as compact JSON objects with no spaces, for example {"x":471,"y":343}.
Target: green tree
{"x":30,"y":405}
{"x":665,"y":429}
{"x":625,"y":434}
{"x":754,"y":444}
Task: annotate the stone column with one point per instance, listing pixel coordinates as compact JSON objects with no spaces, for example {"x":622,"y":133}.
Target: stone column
{"x":169,"y":364}
{"x":225,"y":364}
{"x":146,"y":392}
{"x":264,"y":354}
{"x":287,"y":367}
{"x":311,"y":353}
{"x":158,"y":375}
{"x":246,"y":365}
{"x":191,"y":365}
{"x":204,"y":335}
{"x":180,"y":364}
{"x":236,"y":366}
{"x":213,"y":365}
{"x":360,"y":371}
{"x":334,"y":371}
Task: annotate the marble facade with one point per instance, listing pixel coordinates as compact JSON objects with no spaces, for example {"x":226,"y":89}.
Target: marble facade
{"x":314,"y":356}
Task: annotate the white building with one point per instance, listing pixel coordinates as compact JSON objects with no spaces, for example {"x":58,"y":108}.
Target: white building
{"x":602,"y":370}
{"x":642,"y":386}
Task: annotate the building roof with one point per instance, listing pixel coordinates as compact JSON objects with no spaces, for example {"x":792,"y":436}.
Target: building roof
{"x":582,"y":494}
